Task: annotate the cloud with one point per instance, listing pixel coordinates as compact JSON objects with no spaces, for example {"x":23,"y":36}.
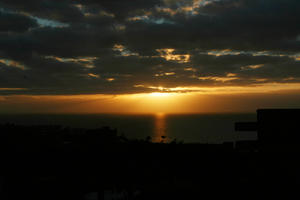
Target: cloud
{"x":15,"y":22}
{"x":61,"y":10}
{"x":109,"y":47}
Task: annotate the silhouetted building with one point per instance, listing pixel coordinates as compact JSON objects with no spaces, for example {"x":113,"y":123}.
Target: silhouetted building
{"x":277,"y":129}
{"x":246,"y":146}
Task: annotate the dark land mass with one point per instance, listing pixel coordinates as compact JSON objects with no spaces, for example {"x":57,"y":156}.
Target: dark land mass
{"x":55,"y":162}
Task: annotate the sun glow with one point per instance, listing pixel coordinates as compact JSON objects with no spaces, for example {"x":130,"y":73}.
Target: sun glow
{"x":160,"y":94}
{"x":156,"y":102}
{"x":178,"y":100}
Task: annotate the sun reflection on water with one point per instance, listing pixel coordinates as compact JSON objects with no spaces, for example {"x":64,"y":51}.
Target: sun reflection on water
{"x":160,"y":132}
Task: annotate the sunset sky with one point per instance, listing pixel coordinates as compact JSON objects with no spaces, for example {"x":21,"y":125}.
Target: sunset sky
{"x":149,"y":56}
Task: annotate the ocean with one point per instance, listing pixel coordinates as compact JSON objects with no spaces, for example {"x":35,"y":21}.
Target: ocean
{"x":195,"y":128}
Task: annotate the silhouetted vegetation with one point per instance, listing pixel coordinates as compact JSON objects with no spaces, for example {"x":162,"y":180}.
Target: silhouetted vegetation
{"x":56,"y":162}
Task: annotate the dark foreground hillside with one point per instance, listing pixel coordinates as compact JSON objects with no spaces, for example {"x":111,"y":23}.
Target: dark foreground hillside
{"x":53,"y":162}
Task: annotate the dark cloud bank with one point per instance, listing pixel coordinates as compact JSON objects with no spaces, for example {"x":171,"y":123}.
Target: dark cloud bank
{"x":113,"y":46}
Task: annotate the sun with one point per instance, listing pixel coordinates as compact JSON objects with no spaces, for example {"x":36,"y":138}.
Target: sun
{"x":159,"y":94}
{"x":160,"y":102}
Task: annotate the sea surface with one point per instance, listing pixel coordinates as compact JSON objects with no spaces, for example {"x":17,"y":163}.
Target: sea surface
{"x":196,"y":128}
